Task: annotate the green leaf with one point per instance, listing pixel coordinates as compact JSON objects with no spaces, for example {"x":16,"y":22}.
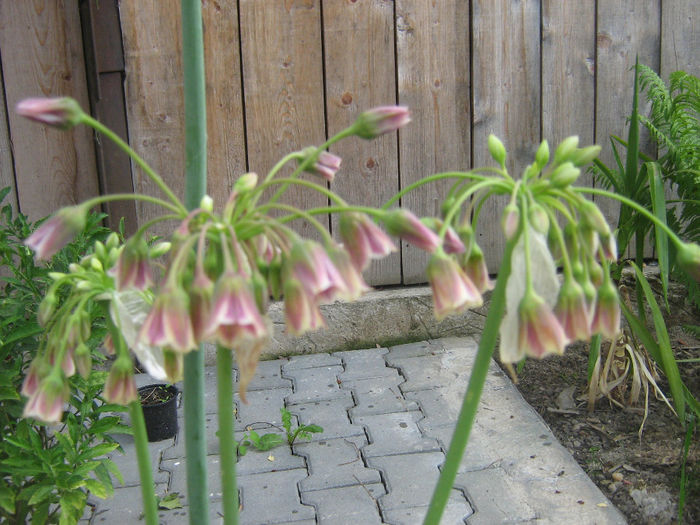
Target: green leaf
{"x":170,"y":501}
{"x":312,"y":428}
{"x":269,"y":441}
{"x":22,"y":332}
{"x":98,"y":450}
{"x":113,"y":469}
{"x":658,"y":205}
{"x":74,"y":499}
{"x":668,"y":361}
{"x":97,"y":488}
{"x":286,"y":419}
{"x":7,"y":498}
{"x":40,"y":494}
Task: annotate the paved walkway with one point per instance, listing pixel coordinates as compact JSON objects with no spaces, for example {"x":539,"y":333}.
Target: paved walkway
{"x":387,"y":414}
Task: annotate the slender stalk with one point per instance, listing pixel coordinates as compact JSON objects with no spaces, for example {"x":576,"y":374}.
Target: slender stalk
{"x":227,"y":444}
{"x":195,"y":188}
{"x":132,"y":197}
{"x":470,"y":403}
{"x":143,"y":458}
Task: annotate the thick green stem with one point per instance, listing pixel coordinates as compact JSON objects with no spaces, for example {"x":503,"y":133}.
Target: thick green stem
{"x":143,"y":457}
{"x":227,"y":443}
{"x":195,"y":188}
{"x":472,"y":396}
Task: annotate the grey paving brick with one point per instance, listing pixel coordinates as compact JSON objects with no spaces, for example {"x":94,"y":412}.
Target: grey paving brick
{"x":263,"y":406}
{"x":440,"y":406}
{"x":181,"y":516}
{"x":177,"y":450}
{"x":125,"y":506}
{"x":425,"y":372}
{"x":395,"y":433}
{"x":378,"y":396}
{"x":128,"y":465}
{"x":273,"y":497}
{"x":356,"y":504}
{"x":421,"y":348}
{"x":279,"y":458}
{"x":331,"y":415}
{"x":315,"y":384}
{"x":178,"y":477}
{"x":478,"y":455}
{"x":268,"y":374}
{"x":454,"y":513}
{"x":363,"y":364}
{"x":309,"y":361}
{"x":334,"y":463}
{"x":410,"y":480}
{"x":494,"y":497}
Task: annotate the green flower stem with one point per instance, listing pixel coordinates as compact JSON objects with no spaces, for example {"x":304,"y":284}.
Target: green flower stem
{"x":152,"y":222}
{"x":470,"y":403}
{"x":327,"y":209}
{"x":195,"y":188}
{"x":635,"y":206}
{"x":227,"y":443}
{"x":91,"y":203}
{"x":143,"y":457}
{"x":529,"y":288}
{"x":433,"y":178}
{"x":299,"y":214}
{"x":280,"y":163}
{"x":458,"y":203}
{"x":101,"y":128}
{"x":300,"y":182}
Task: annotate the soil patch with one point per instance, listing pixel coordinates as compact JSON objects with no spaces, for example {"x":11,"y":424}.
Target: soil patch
{"x":640,"y":475}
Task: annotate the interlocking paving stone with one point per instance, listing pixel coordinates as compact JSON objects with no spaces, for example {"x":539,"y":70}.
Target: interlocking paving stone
{"x":128,"y":466}
{"x":331,"y":415}
{"x":178,"y":477}
{"x":424,"y":373}
{"x":181,"y":516}
{"x":454,"y":513}
{"x":273,"y":497}
{"x":268,"y":374}
{"x":263,"y":406}
{"x":421,"y":348}
{"x":356,"y":504}
{"x":334,"y":463}
{"x":258,"y":461}
{"x":315,"y":384}
{"x":378,"y":395}
{"x":395,"y":433}
{"x":479,"y":453}
{"x":363,"y":364}
{"x":309,"y":361}
{"x":410,"y":480}
{"x":123,"y":507}
{"x":212,"y":441}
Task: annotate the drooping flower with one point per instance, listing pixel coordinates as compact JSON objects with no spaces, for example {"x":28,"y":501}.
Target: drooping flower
{"x":476,"y":270}
{"x":453,"y":291}
{"x":404,"y":224}
{"x":510,"y":221}
{"x":606,"y":316}
{"x":173,"y":364}
{"x":326,"y":165}
{"x":354,"y":282}
{"x":688,"y":259}
{"x":133,"y":269}
{"x":363,"y":239}
{"x":572,"y":311}
{"x":83,"y":360}
{"x":56,"y":231}
{"x":301,"y":311}
{"x":235,"y":313}
{"x":38,"y":370}
{"x":120,"y":387}
{"x":539,"y":331}
{"x":47,"y":402}
{"x":168,"y":323}
{"x":381,"y":120}
{"x":201,"y":303}
{"x":309,"y":264}
{"x":60,"y":112}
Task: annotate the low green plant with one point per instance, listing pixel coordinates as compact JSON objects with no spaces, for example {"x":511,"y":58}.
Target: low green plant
{"x":300,"y":432}
{"x":271,"y":440}
{"x":47,"y":471}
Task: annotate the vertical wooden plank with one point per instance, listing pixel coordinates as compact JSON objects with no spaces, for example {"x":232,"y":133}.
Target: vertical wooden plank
{"x":626,"y":28}
{"x":568,"y":73}
{"x":7,"y":169}
{"x":680,"y":37}
{"x":506,"y":91}
{"x":151,"y":34}
{"x":226,"y":159}
{"x":42,"y":55}
{"x":283,"y":86}
{"x":432,"y":47}
{"x":359,"y":58}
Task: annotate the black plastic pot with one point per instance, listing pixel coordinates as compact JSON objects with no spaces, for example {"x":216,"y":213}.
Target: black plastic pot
{"x":160,"y":416}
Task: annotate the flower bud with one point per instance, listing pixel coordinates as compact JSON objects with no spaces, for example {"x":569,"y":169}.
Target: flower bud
{"x":62,"y":112}
{"x":96,"y":264}
{"x":538,"y":218}
{"x":325,"y":164}
{"x":404,"y":224}
{"x":497,"y":150}
{"x":245,"y":183}
{"x":57,"y":231}
{"x":381,"y":120}
{"x":112,"y":241}
{"x":83,"y":360}
{"x":688,"y":259}
{"x":564,"y":175}
{"x":542,"y":154}
{"x":120,"y":387}
{"x":593,"y":217}
{"x":207,"y":204}
{"x":100,"y":250}
{"x":584,"y":156}
{"x":565,"y":149}
{"x":510,"y":221}
{"x":46,"y":309}
{"x":159,"y":249}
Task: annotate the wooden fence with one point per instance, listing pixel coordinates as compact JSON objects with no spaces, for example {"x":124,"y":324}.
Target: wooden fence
{"x":284,"y":74}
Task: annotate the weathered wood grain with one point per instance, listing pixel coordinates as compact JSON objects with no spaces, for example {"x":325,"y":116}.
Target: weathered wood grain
{"x":151,"y":32}
{"x":626,"y":29}
{"x":7,"y":169}
{"x":506,"y":98}
{"x":359,"y":60}
{"x":42,"y":55}
{"x":432,"y":47}
{"x":680,"y":37}
{"x":283,"y":86}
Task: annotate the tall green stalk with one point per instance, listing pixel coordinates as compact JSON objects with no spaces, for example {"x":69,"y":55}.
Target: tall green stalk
{"x":470,"y":403}
{"x":227,"y":444}
{"x":195,"y":188}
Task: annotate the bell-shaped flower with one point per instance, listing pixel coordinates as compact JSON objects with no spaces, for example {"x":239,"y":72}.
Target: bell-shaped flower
{"x":201,"y":304}
{"x":606,"y":317}
{"x":120,"y":387}
{"x":83,"y":360}
{"x":354,"y":282}
{"x":56,"y":231}
{"x":326,"y":165}
{"x":247,"y":355}
{"x":235,"y":313}
{"x":60,"y":112}
{"x":363,"y":239}
{"x":173,"y":364}
{"x":572,"y":311}
{"x":300,"y":308}
{"x":133,"y":268}
{"x":38,"y":370}
{"x":453,"y":291}
{"x":309,"y":264}
{"x":380,"y":120}
{"x":404,"y":224}
{"x":47,"y":402}
{"x":168,"y":323}
{"x":539,"y":331}
{"x":609,"y":246}
{"x":510,"y":221}
{"x":476,"y":270}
